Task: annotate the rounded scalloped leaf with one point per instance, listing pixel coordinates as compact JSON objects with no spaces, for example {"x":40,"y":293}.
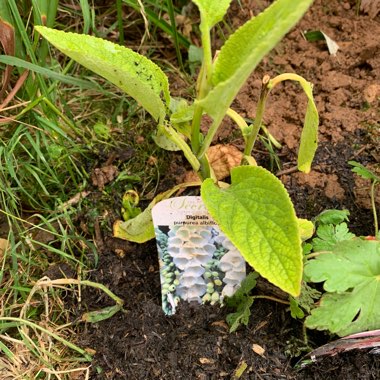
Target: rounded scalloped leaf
{"x":351,"y":275}
{"x":257,"y":215}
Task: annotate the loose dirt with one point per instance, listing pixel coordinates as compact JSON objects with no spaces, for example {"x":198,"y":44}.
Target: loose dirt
{"x":143,"y":343}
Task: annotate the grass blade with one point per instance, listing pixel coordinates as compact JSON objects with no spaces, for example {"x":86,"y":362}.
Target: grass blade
{"x":13,"y":61}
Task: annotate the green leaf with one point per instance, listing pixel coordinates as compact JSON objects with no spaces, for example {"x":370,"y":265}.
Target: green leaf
{"x":164,"y":141}
{"x":140,"y":229}
{"x":332,"y":216}
{"x":241,"y":293}
{"x":242,"y":302}
{"x":317,"y":35}
{"x":181,"y":116}
{"x":295,"y":311}
{"x":307,"y":298}
{"x":195,"y":54}
{"x":352,"y":278}
{"x":309,"y":135}
{"x":245,"y":49}
{"x":363,"y":172}
{"x":173,"y":136}
{"x":13,"y":61}
{"x":328,"y":235}
{"x":241,"y":316}
{"x":133,"y":73}
{"x":257,"y":215}
{"x":102,"y":314}
{"x":212,"y":11}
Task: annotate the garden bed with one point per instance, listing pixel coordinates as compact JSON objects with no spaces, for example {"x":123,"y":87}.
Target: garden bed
{"x":143,"y":343}
{"x":70,"y":150}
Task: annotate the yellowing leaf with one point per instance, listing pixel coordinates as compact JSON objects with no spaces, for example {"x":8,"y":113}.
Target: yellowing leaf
{"x":140,"y":229}
{"x":135,"y":74}
{"x":245,"y":48}
{"x":257,"y":215}
{"x":309,"y":135}
{"x":306,"y":229}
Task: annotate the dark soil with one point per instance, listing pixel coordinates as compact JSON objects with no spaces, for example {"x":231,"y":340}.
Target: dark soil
{"x":143,"y":343}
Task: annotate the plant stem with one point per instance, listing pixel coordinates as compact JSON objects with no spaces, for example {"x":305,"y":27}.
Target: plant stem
{"x":202,"y":89}
{"x":316,"y":254}
{"x":209,"y":137}
{"x":178,"y":140}
{"x":195,"y":129}
{"x":241,"y":123}
{"x":272,"y":299}
{"x":259,"y":116}
{"x":375,"y":221}
{"x":286,"y":76}
{"x":203,"y":86}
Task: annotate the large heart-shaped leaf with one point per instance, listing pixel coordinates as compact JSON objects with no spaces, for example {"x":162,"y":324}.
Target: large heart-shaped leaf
{"x":138,"y":76}
{"x":257,"y":215}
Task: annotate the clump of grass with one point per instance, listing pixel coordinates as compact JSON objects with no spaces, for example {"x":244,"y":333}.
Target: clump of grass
{"x":48,"y":148}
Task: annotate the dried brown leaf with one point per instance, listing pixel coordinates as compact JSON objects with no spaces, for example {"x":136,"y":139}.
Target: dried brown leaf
{"x":7,"y":40}
{"x":101,"y":176}
{"x":184,"y":24}
{"x":223,"y":158}
{"x":4,"y":246}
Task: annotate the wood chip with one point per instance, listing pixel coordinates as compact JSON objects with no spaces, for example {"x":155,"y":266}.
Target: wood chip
{"x":206,"y":361}
{"x":220,"y":324}
{"x":257,"y":349}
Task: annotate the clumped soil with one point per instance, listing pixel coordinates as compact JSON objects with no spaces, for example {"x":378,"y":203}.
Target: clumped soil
{"x":143,"y":343}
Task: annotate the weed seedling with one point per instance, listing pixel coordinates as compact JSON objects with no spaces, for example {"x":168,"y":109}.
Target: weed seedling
{"x":365,"y":173}
{"x":349,"y":268}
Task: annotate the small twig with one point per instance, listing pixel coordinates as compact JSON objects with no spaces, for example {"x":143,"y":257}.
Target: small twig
{"x":270,"y":298}
{"x":316,"y":254}
{"x":15,"y":89}
{"x":287,"y":171}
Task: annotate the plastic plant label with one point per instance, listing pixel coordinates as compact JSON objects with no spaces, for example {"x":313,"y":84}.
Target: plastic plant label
{"x":198,"y":263}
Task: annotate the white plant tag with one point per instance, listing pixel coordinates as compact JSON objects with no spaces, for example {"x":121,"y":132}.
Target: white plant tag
{"x":198,"y":263}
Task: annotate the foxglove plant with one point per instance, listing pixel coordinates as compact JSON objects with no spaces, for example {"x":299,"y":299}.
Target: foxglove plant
{"x":255,"y":211}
